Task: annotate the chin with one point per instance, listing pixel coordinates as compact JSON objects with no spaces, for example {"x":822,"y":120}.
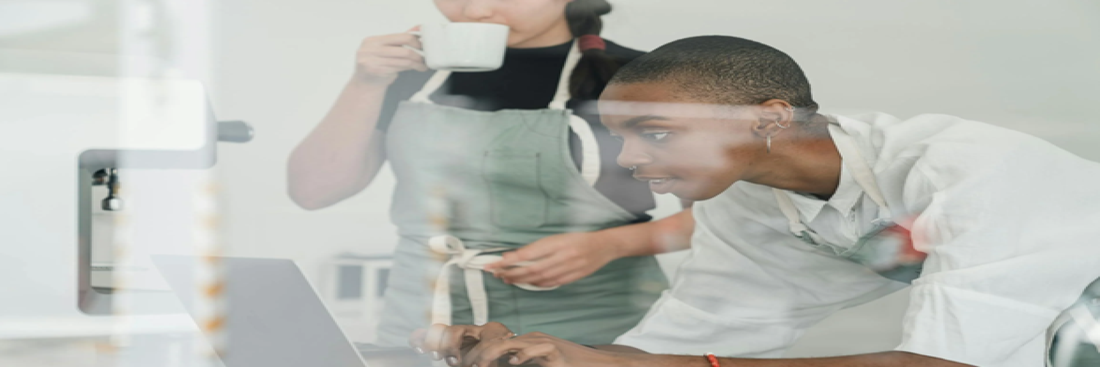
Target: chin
{"x":697,"y":193}
{"x":517,"y":39}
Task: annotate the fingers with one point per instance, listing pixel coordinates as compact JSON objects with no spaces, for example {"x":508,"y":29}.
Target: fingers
{"x":568,"y":278}
{"x":511,"y":275}
{"x":451,"y":344}
{"x":534,"y":251}
{"x":395,"y":53}
{"x":522,"y":262}
{"x":416,"y":340}
{"x":488,"y":352}
{"x":555,"y":276}
{"x":540,"y":272}
{"x":386,"y":56}
{"x":387,"y":67}
{"x":399,"y":64}
{"x":396,"y":39}
{"x":552,"y":271}
{"x":533,"y":348}
{"x":494,"y":330}
{"x":476,"y":353}
{"x":509,"y":260}
{"x":433,"y":340}
{"x":380,"y":63}
{"x":546,"y":352}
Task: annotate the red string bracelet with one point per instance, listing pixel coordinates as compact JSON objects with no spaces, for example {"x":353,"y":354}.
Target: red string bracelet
{"x":713,"y":360}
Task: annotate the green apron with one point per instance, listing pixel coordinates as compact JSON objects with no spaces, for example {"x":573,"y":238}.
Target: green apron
{"x":475,"y":183}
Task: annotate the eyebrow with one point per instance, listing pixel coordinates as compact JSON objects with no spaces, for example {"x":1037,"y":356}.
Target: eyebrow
{"x":640,"y":119}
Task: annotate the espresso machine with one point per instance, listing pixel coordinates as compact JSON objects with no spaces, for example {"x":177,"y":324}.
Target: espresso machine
{"x":99,"y":174}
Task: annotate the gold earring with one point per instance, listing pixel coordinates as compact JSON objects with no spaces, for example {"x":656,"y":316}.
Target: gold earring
{"x":769,"y":143}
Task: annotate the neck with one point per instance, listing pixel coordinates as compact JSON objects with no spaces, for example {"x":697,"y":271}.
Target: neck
{"x":803,"y":159}
{"x":553,"y":36}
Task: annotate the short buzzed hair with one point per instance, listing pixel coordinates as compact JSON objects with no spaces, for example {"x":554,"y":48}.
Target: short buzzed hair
{"x":724,"y":70}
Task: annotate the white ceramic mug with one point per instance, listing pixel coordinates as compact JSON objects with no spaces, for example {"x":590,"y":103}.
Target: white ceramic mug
{"x":464,"y":47}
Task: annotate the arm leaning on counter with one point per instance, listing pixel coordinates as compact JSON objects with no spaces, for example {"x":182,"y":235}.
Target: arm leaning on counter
{"x":486,"y":346}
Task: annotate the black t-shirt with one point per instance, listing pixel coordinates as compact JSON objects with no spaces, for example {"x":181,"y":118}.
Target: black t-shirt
{"x":528,"y":80}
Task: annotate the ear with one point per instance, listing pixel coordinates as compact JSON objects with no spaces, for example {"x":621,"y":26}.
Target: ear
{"x":772,"y":117}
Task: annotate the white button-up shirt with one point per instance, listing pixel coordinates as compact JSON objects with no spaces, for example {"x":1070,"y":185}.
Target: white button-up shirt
{"x":1010,"y":223}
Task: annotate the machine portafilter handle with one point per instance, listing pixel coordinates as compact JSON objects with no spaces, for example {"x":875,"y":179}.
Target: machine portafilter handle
{"x":109,"y":177}
{"x":235,"y":131}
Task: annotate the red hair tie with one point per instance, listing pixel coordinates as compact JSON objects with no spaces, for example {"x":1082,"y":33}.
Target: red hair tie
{"x":592,"y":42}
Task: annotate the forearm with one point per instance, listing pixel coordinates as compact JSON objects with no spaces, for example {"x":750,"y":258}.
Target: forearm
{"x":343,"y":153}
{"x":657,"y":237}
{"x":619,"y":349}
{"x":885,"y":359}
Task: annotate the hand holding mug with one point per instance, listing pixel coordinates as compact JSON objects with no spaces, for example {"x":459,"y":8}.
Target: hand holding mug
{"x":380,"y":58}
{"x":463,"y":47}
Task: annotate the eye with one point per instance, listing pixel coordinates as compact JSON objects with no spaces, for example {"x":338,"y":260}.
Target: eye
{"x":656,"y":136}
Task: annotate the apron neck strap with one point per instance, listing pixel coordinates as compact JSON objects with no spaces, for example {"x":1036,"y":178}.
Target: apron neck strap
{"x":561,"y":96}
{"x":436,"y":82}
{"x":794,"y":223}
{"x":861,"y":171}
{"x":857,"y":165}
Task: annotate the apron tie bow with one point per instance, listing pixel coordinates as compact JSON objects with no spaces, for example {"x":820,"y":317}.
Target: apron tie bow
{"x":473,"y":263}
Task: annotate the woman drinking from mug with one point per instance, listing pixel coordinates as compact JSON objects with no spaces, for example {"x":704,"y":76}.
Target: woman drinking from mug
{"x":491,"y":162}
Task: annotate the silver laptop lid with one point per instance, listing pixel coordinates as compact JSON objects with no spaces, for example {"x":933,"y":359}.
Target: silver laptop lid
{"x":274,"y":318}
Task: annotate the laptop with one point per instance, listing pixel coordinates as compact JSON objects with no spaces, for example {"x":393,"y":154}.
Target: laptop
{"x":274,"y":318}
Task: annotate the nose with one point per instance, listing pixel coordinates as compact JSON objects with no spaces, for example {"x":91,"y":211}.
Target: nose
{"x":477,"y":10}
{"x":632,"y":156}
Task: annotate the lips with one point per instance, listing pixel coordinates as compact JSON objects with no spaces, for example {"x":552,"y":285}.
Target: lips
{"x":660,"y":185}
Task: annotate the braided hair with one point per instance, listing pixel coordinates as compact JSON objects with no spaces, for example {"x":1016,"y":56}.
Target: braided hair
{"x":596,"y":67}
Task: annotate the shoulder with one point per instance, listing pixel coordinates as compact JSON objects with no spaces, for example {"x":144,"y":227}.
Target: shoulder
{"x":945,"y":155}
{"x":942,"y":140}
{"x":949,"y":148}
{"x":622,"y":52}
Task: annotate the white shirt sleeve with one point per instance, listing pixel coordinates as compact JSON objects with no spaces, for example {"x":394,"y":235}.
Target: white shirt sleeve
{"x":1013,"y":238}
{"x":734,"y":297}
